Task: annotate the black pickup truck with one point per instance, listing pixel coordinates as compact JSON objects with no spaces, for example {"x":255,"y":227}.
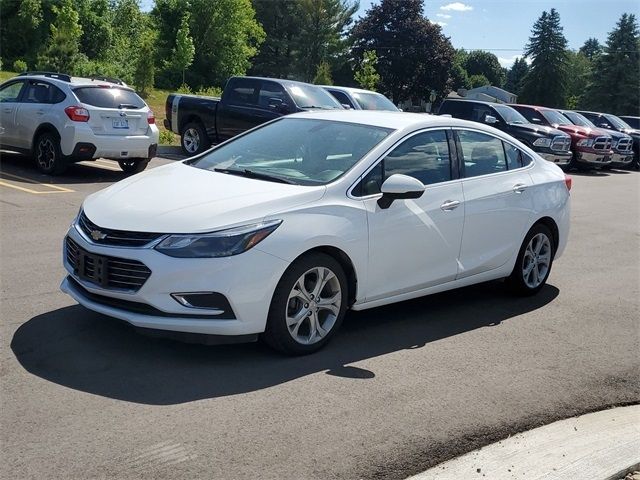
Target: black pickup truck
{"x":245,"y":103}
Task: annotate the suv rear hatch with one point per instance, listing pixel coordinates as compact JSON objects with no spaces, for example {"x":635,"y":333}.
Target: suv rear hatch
{"x":114,"y":110}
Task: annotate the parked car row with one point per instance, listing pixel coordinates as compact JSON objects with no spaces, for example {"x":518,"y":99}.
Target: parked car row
{"x":57,"y":120}
{"x":570,"y":139}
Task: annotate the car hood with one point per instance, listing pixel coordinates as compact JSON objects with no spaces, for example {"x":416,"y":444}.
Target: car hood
{"x":540,"y":129}
{"x":178,"y":198}
{"x":634,"y":132}
{"x":578,"y":130}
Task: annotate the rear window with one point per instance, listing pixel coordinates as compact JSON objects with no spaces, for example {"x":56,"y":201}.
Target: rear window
{"x":109,"y":97}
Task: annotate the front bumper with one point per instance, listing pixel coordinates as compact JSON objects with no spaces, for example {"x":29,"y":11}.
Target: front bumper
{"x":108,"y":146}
{"x":593,"y":158}
{"x":622,"y":159}
{"x":247,"y":281}
{"x":559,"y":158}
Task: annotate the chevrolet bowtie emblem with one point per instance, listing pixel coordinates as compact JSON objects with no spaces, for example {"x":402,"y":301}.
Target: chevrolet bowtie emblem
{"x":98,"y":235}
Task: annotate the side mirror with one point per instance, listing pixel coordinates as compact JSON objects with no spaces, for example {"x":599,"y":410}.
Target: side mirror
{"x":346,"y":106}
{"x":398,"y":187}
{"x":490,"y":119}
{"x":278,"y":105}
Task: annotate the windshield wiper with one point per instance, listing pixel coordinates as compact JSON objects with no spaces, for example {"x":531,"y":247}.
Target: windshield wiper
{"x":128,"y":105}
{"x":317,"y":106}
{"x":251,"y":174}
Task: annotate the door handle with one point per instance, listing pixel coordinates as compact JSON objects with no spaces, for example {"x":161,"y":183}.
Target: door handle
{"x":450,"y":205}
{"x":519,"y":187}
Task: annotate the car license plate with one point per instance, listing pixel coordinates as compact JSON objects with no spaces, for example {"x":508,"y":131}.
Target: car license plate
{"x":121,"y":123}
{"x":91,"y":267}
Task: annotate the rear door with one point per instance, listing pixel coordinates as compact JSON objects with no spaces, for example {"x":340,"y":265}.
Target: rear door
{"x":34,"y":107}
{"x":9,"y":97}
{"x":497,"y":197}
{"x":114,"y":111}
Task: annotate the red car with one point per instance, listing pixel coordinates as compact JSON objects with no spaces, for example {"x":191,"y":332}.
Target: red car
{"x":591,"y":146}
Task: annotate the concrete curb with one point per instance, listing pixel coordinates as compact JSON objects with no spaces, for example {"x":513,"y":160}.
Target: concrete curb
{"x":601,"y":445}
{"x":170,"y":152}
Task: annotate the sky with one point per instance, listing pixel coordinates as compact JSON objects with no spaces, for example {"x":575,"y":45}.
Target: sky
{"x":503,"y":26}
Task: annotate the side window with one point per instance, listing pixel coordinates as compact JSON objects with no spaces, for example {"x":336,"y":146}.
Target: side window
{"x":269,"y":91}
{"x":514,"y":156}
{"x":371,"y":183}
{"x":42,"y":92}
{"x":456,"y":109}
{"x":482,"y":153}
{"x":424,"y":156}
{"x":11,"y":92}
{"x":533,"y":116}
{"x":341,"y":97}
{"x":243,"y":93}
{"x":480,"y":112}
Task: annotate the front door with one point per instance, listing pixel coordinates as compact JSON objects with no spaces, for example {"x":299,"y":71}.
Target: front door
{"x":414,"y":243}
{"x":34,"y":105}
{"x":9,"y":97}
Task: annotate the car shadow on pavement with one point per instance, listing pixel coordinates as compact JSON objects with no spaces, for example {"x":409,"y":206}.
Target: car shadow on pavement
{"x":86,"y":351}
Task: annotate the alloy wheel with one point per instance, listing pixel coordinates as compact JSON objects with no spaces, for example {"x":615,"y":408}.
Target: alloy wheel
{"x":536,"y":261}
{"x":46,"y":154}
{"x":191,"y":140}
{"x":313,"y":305}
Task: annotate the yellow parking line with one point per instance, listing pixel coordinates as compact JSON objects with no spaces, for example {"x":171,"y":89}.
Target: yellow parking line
{"x":35,"y":192}
{"x":48,"y":185}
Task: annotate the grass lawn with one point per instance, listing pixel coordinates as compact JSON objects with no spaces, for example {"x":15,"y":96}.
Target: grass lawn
{"x":155,"y":100}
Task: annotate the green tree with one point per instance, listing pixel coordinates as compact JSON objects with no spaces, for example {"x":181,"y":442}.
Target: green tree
{"x":323,"y":74}
{"x":323,"y":23}
{"x":458,"y":76}
{"x":366,"y":74}
{"x":478,"y":81}
{"x":282,"y":23}
{"x":145,"y":68}
{"x":546,"y":82}
{"x":580,"y":67}
{"x":23,"y":29}
{"x":516,"y":75}
{"x":62,"y":51}
{"x":185,"y":50}
{"x":591,"y":48}
{"x":479,"y":62}
{"x":615,"y":82}
{"x":96,"y":17}
{"x":414,"y":57}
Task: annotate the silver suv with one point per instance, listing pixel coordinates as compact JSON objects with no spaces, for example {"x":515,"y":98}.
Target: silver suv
{"x":58,"y":119}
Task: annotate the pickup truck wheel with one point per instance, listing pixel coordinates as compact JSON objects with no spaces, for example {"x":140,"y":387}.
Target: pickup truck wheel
{"x":48,"y":155}
{"x":194,"y":139}
{"x":133,"y":165}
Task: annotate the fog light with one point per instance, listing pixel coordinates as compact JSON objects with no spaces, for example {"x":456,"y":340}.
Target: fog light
{"x":215,"y":303}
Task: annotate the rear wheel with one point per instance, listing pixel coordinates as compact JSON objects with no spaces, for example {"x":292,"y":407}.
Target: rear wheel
{"x":133,"y":165}
{"x":194,"y":139}
{"x":308,"y":305}
{"x":534,"y":261}
{"x":48,"y":155}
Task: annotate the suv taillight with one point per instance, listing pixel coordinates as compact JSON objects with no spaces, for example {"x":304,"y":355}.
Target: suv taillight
{"x":568,"y":181}
{"x":77,"y":114}
{"x":151,"y":119}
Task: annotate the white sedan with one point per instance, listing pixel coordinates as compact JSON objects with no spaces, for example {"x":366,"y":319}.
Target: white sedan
{"x":281,"y":230}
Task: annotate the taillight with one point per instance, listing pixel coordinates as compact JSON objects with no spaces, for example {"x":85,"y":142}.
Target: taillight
{"x":151,"y":119}
{"x":77,"y":114}
{"x":568,"y":181}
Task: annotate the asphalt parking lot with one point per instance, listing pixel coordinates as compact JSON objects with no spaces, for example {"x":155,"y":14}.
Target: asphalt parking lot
{"x":402,"y":387}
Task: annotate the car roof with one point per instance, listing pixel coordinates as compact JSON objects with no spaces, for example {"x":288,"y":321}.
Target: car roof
{"x":282,"y":81}
{"x":629,"y":116}
{"x":350,"y":89}
{"x":73,"y":81}
{"x":535,"y":107}
{"x":387,"y":119}
{"x":470,"y":100}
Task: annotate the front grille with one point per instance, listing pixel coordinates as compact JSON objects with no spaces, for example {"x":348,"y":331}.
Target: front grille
{"x":107,"y":272}
{"x":116,"y":238}
{"x":561,"y":144}
{"x":625,"y":145}
{"x":602,"y":143}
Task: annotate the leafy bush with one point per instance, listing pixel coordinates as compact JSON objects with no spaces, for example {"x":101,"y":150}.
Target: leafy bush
{"x":184,"y":88}
{"x":19,"y":66}
{"x":166,"y":137}
{"x":210,"y":91}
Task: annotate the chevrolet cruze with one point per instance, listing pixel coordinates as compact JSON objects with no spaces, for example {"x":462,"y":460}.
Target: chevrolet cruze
{"x":279,"y":231}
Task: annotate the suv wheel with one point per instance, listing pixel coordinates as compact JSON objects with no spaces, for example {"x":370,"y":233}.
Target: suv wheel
{"x":133,"y":165}
{"x":308,"y":305}
{"x":48,"y":155}
{"x":194,"y":139}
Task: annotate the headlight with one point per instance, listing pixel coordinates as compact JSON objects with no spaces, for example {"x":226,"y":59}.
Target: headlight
{"x":222,"y":243}
{"x":542,"y":142}
{"x":585,"y":142}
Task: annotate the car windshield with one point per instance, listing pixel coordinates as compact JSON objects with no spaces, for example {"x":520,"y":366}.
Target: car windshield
{"x":579,"y":119}
{"x":617,"y":122}
{"x":295,"y":150}
{"x":374,"y":101}
{"x":509,"y":114}
{"x":106,"y":97}
{"x":555,"y":118}
{"x":309,"y":96}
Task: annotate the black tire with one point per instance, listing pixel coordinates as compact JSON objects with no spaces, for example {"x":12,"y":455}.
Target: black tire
{"x":517,"y":282}
{"x":133,"y":165}
{"x":277,"y":334}
{"x":194,"y":132}
{"x":48,"y":155}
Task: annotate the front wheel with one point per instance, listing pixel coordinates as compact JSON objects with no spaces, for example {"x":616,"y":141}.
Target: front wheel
{"x":48,"y":155}
{"x":133,"y":165}
{"x":308,"y":305}
{"x":194,"y":139}
{"x":534,"y":261}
